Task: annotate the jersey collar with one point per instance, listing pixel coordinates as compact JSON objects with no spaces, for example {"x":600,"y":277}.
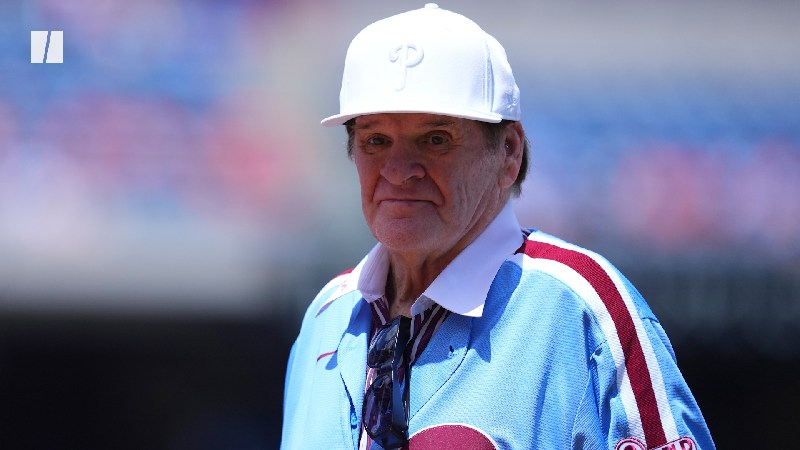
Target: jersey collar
{"x":462,"y":286}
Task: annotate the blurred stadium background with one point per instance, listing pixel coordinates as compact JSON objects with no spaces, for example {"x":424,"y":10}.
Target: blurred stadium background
{"x":169,"y":203}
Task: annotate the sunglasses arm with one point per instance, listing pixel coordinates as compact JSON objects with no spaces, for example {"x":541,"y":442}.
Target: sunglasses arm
{"x":400,"y":397}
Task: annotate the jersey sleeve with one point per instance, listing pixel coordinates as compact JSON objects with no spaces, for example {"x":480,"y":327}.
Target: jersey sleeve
{"x":604,"y":420}
{"x":635,"y":397}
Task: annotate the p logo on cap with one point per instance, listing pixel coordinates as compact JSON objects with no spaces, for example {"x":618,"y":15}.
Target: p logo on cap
{"x":401,"y":52}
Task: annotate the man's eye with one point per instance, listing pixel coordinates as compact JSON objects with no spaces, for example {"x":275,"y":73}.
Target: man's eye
{"x":437,"y":140}
{"x":377,"y":140}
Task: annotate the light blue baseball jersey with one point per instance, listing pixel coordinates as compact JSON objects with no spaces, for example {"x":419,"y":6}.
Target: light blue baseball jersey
{"x":564,"y":353}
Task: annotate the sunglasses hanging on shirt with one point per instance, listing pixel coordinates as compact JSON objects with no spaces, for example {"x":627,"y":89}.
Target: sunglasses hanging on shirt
{"x":386,"y":406}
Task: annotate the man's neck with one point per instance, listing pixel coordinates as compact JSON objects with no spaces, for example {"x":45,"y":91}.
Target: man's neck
{"x":410,"y":273}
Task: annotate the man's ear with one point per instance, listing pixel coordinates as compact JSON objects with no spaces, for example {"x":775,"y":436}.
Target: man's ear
{"x":513,"y":142}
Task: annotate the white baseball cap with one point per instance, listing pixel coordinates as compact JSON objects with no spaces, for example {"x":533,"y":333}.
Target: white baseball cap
{"x":428,"y":60}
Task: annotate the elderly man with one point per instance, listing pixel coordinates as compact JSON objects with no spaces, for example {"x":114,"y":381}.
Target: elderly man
{"x":460,"y":329}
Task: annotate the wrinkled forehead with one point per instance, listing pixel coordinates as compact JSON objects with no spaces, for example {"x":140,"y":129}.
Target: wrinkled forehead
{"x":408,"y":120}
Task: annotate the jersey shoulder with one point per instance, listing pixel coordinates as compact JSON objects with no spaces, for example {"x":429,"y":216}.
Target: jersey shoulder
{"x":636,"y":381}
{"x":588,"y":274}
{"x":333,"y":289}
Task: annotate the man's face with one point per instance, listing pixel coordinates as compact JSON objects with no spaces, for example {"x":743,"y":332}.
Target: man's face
{"x":426,"y":180}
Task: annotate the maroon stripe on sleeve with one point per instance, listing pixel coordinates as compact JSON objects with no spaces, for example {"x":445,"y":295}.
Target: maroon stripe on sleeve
{"x":635,"y":362}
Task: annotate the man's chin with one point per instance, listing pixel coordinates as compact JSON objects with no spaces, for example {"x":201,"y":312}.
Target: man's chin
{"x":405,"y":234}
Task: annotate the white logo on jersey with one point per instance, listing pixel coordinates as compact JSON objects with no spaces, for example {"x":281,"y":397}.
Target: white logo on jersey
{"x":684,"y":443}
{"x":629,"y":444}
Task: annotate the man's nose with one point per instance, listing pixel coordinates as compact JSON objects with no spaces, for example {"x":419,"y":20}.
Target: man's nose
{"x":402,"y":164}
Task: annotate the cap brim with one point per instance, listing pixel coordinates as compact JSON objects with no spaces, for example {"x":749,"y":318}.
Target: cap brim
{"x":340,"y":119}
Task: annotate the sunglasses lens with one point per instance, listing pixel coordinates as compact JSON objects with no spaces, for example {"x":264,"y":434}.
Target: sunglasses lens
{"x":381,"y":349}
{"x":378,"y":405}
